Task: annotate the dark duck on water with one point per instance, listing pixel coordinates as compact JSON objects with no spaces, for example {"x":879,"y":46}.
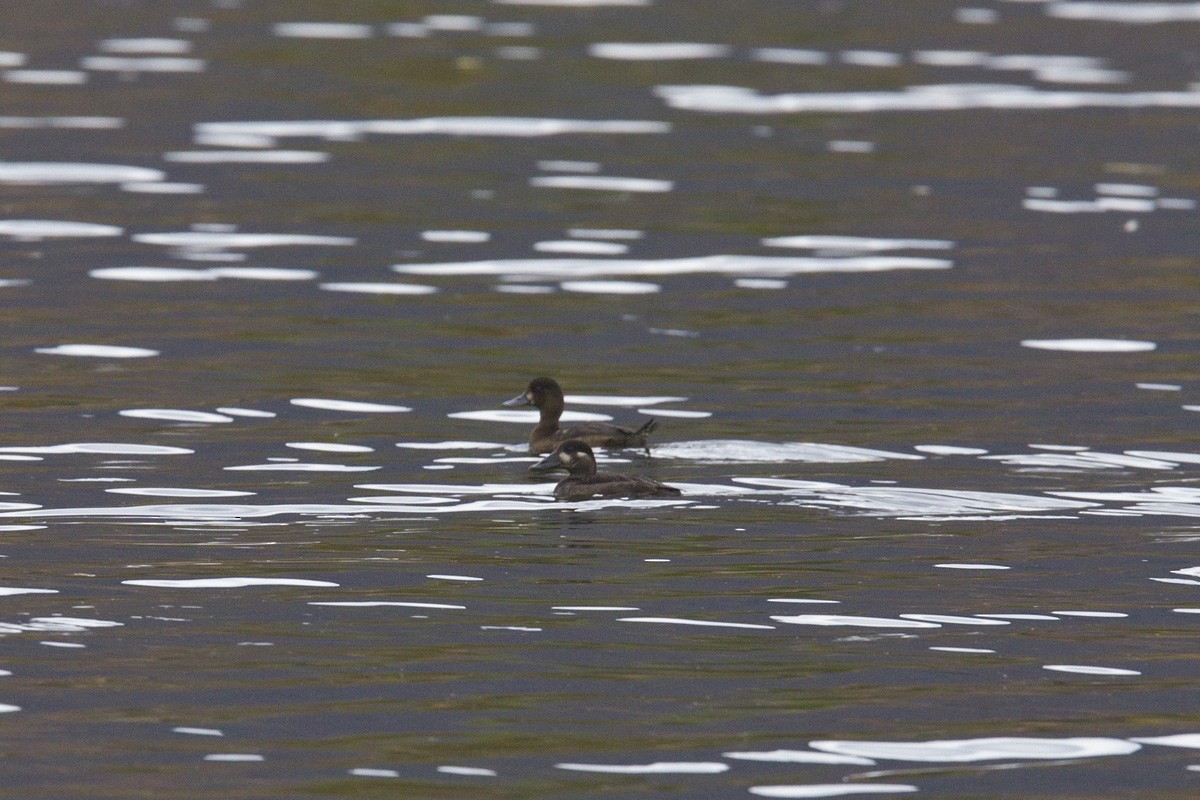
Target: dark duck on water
{"x":583,"y":482}
{"x":547,"y":396}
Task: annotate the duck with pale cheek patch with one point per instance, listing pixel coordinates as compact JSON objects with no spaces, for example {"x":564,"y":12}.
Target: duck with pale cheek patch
{"x":547,"y":396}
{"x":583,"y":482}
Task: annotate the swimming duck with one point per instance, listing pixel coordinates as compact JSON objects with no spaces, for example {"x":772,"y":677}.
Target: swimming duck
{"x":583,"y":481}
{"x":547,"y":396}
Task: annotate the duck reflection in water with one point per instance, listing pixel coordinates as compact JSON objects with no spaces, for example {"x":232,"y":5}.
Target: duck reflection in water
{"x":583,"y":482}
{"x":547,"y":396}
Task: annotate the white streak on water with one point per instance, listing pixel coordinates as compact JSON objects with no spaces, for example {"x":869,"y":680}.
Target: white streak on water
{"x":657,"y":51}
{"x":341,"y":130}
{"x":330,"y":447}
{"x":830,"y":789}
{"x":975,"y":650}
{"x":1090,"y":345}
{"x":97,"y":351}
{"x":558,"y":165}
{"x":760,"y":283}
{"x":142,"y":64}
{"x":698,"y":622}
{"x":480,"y":772}
{"x":174,"y":415}
{"x":33,"y":229}
{"x":1080,"y":460}
{"x":947,"y":619}
{"x":861,"y":244}
{"x":247,"y":157}
{"x":744,"y":451}
{"x":145,"y":45}
{"x":610,"y":287}
{"x":797,"y":757}
{"x":582,"y":247}
{"x":621,"y":400}
{"x":986,"y":749}
{"x":451,"y":446}
{"x":348,"y":405}
{"x":696,"y":265}
{"x":383,"y":603}
{"x":1140,"y":13}
{"x":264,"y":273}
{"x":972,"y":566}
{"x":676,"y":413}
{"x":367,"y":772}
{"x":322,"y":30}
{"x":104,"y":448}
{"x":198,"y":731}
{"x":50,"y":77}
{"x":234,"y":757}
{"x":245,"y":412}
{"x":456,"y":237}
{"x":603,"y":183}
{"x":839,"y":620}
{"x":949,"y":450}
{"x":410,"y":289}
{"x":605,"y":233}
{"x":225,"y":583}
{"x":526,"y":417}
{"x":946,"y":97}
{"x":454,"y":577}
{"x":1189,"y":740}
{"x":221,"y":240}
{"x":153,"y":274}
{"x":300,"y":467}
{"x":790,"y":55}
{"x":7,"y":591}
{"x":148,"y":491}
{"x":1086,"y":670}
{"x":656,"y":768}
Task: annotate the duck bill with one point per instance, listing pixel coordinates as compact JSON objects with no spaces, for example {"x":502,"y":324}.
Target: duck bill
{"x":519,"y":400}
{"x":549,"y":462}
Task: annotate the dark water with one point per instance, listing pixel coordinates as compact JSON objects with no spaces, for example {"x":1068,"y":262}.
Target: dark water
{"x":938,"y":528}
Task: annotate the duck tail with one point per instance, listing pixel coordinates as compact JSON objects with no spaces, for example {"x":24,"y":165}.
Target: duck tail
{"x":647,"y":427}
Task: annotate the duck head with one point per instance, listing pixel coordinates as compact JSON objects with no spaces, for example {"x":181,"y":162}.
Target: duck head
{"x":538,"y":393}
{"x":574,"y":456}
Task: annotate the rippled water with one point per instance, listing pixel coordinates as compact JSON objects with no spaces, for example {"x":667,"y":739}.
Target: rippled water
{"x":909,"y":288}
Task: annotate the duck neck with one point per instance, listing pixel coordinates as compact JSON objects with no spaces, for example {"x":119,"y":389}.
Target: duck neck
{"x":550,"y":411}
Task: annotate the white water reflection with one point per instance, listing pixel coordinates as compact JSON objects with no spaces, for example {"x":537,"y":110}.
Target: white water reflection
{"x":232,"y":240}
{"x":174,"y":415}
{"x":1148,"y":13}
{"x":816,"y":790}
{"x":1090,"y":345}
{"x":97,"y":351}
{"x":46,"y":77}
{"x":602,"y":183}
{"x":526,"y":417}
{"x":224,"y":583}
{"x":714,"y":264}
{"x":35,"y":229}
{"x":797,"y":757}
{"x":988,"y":749}
{"x":947,"y":97}
{"x":352,"y":406}
{"x":410,"y":289}
{"x":843,"y":620}
{"x":656,"y":768}
{"x":745,"y":451}
{"x":40,"y":172}
{"x":343,"y":130}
